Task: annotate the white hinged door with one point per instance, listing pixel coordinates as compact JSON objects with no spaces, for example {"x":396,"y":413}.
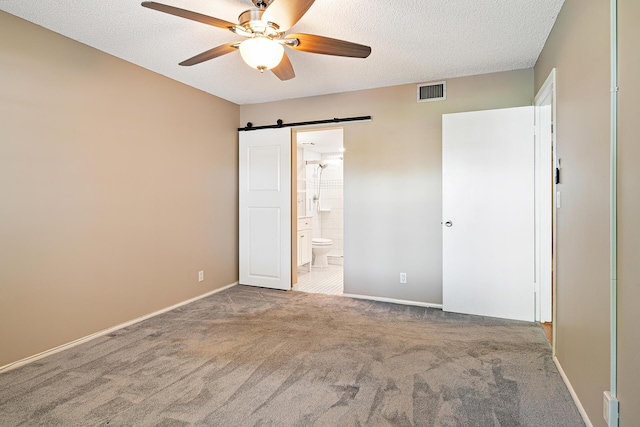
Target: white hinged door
{"x":488,"y":213}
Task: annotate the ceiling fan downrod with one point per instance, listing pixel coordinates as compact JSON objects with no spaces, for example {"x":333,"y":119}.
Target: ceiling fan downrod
{"x":261,"y":4}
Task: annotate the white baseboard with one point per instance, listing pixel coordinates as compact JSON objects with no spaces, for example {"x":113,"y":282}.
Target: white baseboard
{"x":574,"y":396}
{"x":87,"y":338}
{"x":393,"y":301}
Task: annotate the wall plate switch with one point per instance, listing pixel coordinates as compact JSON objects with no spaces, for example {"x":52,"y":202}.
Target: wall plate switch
{"x":610,"y":409}
{"x":200,"y":275}
{"x":403,"y":277}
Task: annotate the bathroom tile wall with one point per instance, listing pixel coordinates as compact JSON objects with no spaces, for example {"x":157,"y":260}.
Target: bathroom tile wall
{"x":311,"y":177}
{"x":301,"y":184}
{"x":331,"y":204}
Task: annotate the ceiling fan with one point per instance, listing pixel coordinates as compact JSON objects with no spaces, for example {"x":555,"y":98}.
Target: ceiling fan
{"x":264,"y":27}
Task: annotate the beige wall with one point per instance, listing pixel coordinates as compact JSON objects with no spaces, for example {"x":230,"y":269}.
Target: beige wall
{"x":579,"y":48}
{"x":116,"y":186}
{"x":392,"y":175}
{"x":629,"y":212}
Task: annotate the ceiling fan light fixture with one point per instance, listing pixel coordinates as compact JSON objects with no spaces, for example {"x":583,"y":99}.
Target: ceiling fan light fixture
{"x":261,"y":53}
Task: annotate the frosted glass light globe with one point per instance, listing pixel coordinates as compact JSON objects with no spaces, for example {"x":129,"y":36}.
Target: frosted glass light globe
{"x":261,"y":53}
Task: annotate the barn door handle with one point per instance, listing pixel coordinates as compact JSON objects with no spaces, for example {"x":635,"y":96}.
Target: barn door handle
{"x":448,"y":223}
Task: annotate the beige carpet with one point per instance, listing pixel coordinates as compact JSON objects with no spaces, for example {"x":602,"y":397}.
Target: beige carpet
{"x":256,"y":357}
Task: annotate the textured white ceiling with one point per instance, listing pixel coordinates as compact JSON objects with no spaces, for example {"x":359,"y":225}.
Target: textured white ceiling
{"x":412,"y":41}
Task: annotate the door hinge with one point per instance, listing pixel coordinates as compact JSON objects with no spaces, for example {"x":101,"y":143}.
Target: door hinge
{"x":552,"y":128}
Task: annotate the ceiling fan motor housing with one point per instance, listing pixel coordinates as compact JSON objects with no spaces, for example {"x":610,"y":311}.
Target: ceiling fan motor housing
{"x":251,"y":20}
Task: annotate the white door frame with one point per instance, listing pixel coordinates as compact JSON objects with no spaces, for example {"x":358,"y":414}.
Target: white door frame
{"x":547,"y":196}
{"x":296,"y":131}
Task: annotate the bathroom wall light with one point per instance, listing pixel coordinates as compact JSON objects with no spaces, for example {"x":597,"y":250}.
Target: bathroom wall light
{"x":261,"y":52}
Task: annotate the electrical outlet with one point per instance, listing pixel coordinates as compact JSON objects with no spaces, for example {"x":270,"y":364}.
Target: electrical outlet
{"x":200,"y":275}
{"x":403,"y":277}
{"x":610,"y":409}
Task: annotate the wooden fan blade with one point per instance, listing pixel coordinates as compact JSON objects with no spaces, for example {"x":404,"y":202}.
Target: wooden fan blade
{"x":284,"y":70}
{"x":211,"y":53}
{"x":286,"y":13}
{"x":327,"y":46}
{"x":194,"y":16}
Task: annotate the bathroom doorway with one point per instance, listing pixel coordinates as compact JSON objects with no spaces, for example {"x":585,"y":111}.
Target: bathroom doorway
{"x":319,"y":205}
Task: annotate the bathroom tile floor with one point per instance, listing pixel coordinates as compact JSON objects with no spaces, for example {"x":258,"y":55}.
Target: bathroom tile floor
{"x":321,"y":281}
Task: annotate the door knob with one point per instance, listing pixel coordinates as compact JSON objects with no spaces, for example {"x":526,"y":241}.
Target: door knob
{"x":448,"y":223}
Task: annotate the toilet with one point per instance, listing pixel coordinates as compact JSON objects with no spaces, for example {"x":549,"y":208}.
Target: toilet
{"x":320,"y":248}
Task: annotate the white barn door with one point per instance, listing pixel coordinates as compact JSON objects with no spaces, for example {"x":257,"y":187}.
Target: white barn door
{"x":265,"y":208}
{"x":488,"y":213}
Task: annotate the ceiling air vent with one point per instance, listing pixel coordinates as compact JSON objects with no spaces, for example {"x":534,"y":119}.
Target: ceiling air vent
{"x":432,"y":91}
